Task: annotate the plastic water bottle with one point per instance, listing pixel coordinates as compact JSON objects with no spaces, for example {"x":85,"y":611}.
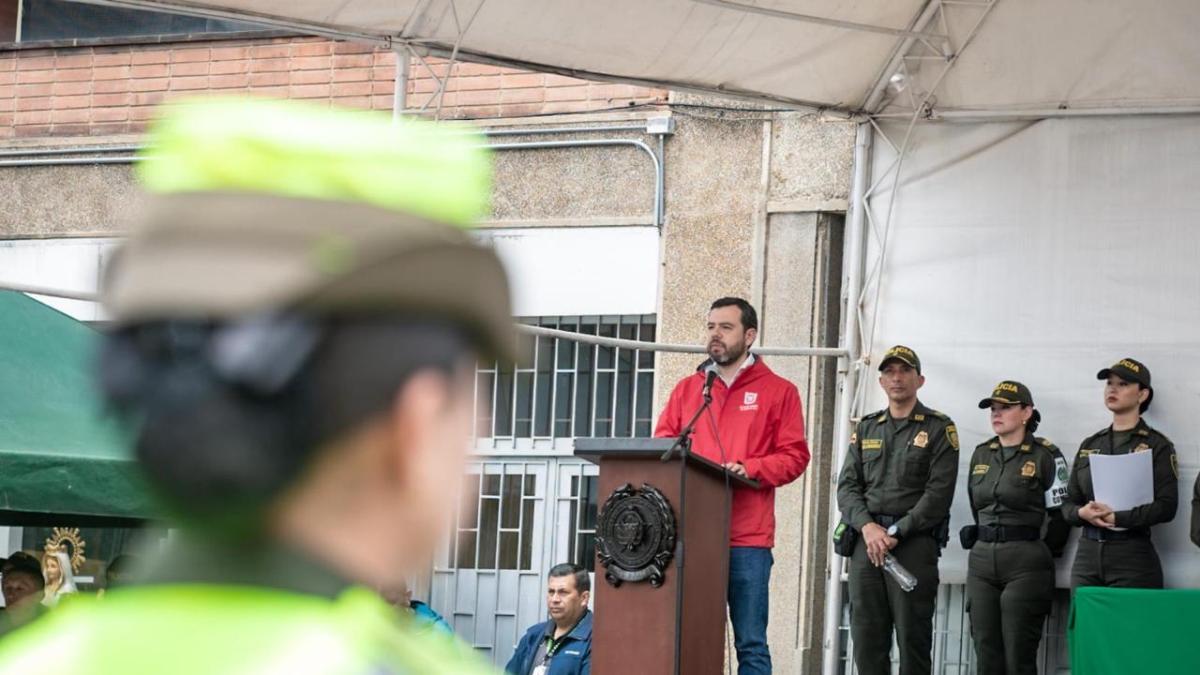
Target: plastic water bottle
{"x":902,"y":576}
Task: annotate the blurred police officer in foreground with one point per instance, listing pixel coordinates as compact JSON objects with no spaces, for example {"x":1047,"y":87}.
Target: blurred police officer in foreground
{"x":298,"y":318}
{"x":1016,"y":487}
{"x":1115,"y":549}
{"x":895,"y":489}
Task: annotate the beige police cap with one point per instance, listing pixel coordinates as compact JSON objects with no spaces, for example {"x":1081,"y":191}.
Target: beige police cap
{"x":262,"y":206}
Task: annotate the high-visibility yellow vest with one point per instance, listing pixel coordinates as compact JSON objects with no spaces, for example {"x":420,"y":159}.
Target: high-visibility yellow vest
{"x":195,"y":629}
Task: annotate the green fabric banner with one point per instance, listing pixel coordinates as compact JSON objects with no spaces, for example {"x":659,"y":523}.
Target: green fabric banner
{"x":58,"y":453}
{"x":1127,"y":631}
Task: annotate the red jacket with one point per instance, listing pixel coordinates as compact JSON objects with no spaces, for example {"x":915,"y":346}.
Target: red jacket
{"x":761,"y":425}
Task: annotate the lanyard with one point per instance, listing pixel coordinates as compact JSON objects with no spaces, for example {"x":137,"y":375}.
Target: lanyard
{"x":552,"y":645}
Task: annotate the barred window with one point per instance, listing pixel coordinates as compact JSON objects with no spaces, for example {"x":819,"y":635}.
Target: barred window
{"x":561,"y":388}
{"x":582,"y":527}
{"x":496,"y":519}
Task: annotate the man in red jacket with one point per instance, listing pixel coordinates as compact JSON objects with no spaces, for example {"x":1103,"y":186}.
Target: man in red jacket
{"x":755,"y":428}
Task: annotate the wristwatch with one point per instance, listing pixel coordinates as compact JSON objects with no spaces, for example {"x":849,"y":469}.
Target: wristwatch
{"x":894,"y":531}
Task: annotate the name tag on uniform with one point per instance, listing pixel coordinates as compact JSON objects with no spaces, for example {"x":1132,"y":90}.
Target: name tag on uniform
{"x":872,"y":443}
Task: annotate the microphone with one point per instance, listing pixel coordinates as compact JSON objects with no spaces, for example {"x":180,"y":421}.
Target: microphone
{"x":710,"y":375}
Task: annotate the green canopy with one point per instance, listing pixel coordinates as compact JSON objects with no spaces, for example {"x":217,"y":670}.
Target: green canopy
{"x":61,"y":460}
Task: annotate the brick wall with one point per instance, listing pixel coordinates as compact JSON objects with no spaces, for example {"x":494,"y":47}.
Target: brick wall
{"x":477,"y":91}
{"x":103,"y":90}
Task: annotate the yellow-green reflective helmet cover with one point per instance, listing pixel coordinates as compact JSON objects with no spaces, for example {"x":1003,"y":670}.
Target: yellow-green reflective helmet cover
{"x":296,"y":149}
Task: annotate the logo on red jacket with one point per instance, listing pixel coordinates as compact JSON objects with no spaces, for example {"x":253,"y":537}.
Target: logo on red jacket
{"x":749,"y":401}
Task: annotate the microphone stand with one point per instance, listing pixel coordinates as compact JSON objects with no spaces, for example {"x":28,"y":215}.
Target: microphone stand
{"x":683,"y":442}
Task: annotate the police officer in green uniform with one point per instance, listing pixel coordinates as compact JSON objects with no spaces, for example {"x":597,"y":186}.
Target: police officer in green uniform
{"x":895,"y":489}
{"x":1016,"y":487}
{"x":1115,"y":549}
{"x":298,"y":317}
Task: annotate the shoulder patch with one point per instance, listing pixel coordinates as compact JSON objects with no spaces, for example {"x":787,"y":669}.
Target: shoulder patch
{"x":1045,"y":442}
{"x":1057,"y":492}
{"x":1161,"y":436}
{"x":994,"y":445}
{"x":952,"y":435}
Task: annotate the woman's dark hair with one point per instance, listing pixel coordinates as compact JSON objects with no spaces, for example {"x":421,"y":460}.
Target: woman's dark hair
{"x":227,"y":417}
{"x":1145,"y":405}
{"x":1034,"y":420}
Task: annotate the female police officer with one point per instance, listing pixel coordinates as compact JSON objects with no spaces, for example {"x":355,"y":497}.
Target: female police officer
{"x":1115,"y":549}
{"x":1016,"y":485}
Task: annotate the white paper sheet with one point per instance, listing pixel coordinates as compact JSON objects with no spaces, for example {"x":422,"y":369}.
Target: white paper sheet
{"x":1123,"y":481}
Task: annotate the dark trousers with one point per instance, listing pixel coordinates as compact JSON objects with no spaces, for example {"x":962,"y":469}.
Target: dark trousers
{"x":877,"y":605}
{"x":1132,"y":563}
{"x":1010,"y":586}
{"x":749,"y":602}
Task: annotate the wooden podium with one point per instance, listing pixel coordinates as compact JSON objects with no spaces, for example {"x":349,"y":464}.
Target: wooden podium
{"x":677,"y":626}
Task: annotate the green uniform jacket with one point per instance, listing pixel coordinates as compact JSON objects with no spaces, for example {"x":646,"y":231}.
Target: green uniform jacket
{"x":904,"y":468}
{"x":1139,"y":439}
{"x":1025,"y":491}
{"x":1196,"y":512}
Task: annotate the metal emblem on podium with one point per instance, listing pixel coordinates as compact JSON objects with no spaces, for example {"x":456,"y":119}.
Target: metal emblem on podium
{"x":635,"y":535}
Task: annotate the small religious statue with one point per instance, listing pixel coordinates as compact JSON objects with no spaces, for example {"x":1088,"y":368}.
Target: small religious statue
{"x":60,"y":579}
{"x":62,"y":557}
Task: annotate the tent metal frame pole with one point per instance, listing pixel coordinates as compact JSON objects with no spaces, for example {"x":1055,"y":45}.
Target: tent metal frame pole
{"x":400,"y":88}
{"x":975,"y":116}
{"x":914,"y":34}
{"x":885,"y":75}
{"x":849,"y":366}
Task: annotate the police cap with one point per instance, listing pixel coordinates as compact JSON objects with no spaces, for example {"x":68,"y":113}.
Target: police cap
{"x":1009,"y":392}
{"x":902,"y":354}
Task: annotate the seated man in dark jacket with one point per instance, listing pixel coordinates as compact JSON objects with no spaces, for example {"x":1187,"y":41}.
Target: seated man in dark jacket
{"x":562,"y":645}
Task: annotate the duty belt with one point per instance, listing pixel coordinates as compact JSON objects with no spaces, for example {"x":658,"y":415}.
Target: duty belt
{"x":885,"y":520}
{"x":1097,"y":534}
{"x":1002,"y":533}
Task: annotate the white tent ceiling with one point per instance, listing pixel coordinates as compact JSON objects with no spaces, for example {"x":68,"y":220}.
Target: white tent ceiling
{"x":1011,"y":57}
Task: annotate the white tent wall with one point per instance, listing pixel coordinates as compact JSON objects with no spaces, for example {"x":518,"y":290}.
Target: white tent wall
{"x":1042,"y":252}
